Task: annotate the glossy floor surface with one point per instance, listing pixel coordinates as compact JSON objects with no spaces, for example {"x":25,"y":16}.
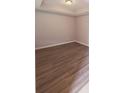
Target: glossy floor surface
{"x":62,"y":69}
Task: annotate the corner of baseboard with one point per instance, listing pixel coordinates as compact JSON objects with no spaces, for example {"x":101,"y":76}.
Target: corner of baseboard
{"x":82,"y":43}
{"x":38,"y":48}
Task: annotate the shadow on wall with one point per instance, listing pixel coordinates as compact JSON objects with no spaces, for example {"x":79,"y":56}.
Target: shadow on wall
{"x":54,"y":74}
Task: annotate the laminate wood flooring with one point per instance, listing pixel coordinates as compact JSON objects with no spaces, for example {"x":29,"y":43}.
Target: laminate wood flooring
{"x":62,"y":69}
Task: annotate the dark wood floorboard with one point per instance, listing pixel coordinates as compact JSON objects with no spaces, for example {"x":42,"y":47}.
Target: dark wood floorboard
{"x":62,"y":69}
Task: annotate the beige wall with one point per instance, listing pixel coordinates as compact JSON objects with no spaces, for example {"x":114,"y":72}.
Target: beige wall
{"x":51,"y":29}
{"x":82,"y":29}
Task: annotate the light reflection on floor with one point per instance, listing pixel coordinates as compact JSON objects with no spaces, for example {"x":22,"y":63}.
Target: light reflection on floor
{"x":85,"y":89}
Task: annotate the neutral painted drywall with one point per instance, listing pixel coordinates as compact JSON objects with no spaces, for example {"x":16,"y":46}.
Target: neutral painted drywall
{"x":52,"y":29}
{"x":82,"y":29}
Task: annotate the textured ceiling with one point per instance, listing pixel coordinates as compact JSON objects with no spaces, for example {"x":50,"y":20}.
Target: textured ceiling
{"x":59,"y":5}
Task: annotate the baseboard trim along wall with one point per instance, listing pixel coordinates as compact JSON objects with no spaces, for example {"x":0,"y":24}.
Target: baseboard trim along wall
{"x":61,"y":44}
{"x":82,"y":43}
{"x":53,"y":45}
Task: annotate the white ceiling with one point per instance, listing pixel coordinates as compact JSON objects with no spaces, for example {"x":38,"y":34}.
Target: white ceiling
{"x":78,"y":6}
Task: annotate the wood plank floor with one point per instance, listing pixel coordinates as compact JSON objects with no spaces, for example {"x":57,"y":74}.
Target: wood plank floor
{"x":62,"y":69}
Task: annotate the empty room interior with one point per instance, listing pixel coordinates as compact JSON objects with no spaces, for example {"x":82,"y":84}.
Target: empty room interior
{"x":62,"y":46}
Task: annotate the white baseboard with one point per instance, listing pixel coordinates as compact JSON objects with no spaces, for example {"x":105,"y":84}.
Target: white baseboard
{"x":53,"y":45}
{"x":61,"y":44}
{"x":82,"y":43}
